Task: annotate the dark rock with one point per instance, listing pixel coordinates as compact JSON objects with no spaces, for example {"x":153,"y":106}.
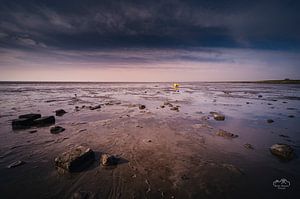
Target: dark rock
{"x":218,"y":116}
{"x":282,"y":151}
{"x":168,"y":104}
{"x":248,"y":146}
{"x":260,"y":96}
{"x":270,"y":121}
{"x":141,"y":106}
{"x":31,"y":116}
{"x":95,"y":107}
{"x":226,"y":134}
{"x":60,"y":112}
{"x":45,"y":121}
{"x":291,"y":116}
{"x":175,"y":108}
{"x":75,"y":159}
{"x":15,"y":164}
{"x":284,"y":136}
{"x":32,"y":131}
{"x":162,"y":106}
{"x":81,"y":195}
{"x":247,"y":102}
{"x":56,"y":129}
{"x":22,"y":123}
{"x":108,"y":160}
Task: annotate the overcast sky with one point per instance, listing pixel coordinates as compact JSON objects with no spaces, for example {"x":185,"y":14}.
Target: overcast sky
{"x":157,"y":40}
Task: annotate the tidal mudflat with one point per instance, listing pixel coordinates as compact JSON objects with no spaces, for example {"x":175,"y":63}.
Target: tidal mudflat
{"x":146,"y":140}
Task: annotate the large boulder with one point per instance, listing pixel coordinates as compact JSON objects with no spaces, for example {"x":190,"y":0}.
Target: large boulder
{"x":25,"y":121}
{"x":45,"y":121}
{"x":108,"y":160}
{"x":282,"y":151}
{"x":75,"y":159}
{"x":22,"y":123}
{"x":31,"y":116}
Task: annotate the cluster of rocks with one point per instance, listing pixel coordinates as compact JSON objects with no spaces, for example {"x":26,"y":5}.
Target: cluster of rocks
{"x":172,"y":107}
{"x":81,"y":157}
{"x":32,"y":119}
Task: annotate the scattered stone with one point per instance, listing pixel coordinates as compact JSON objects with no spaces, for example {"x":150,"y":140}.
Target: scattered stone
{"x":108,"y":160}
{"x":284,"y":136}
{"x":270,"y":121}
{"x":260,"y":96}
{"x":31,"y":116}
{"x":174,"y":108}
{"x":247,"y":102}
{"x":168,"y":104}
{"x":44,"y":121}
{"x":32,"y":131}
{"x":15,"y":164}
{"x":141,"y":106}
{"x":60,"y":112}
{"x":75,"y":159}
{"x":56,"y":129}
{"x":162,"y":106}
{"x":248,"y":146}
{"x":270,"y":104}
{"x":218,"y":116}
{"x":95,"y":107}
{"x":291,"y":116}
{"x":81,"y":195}
{"x":282,"y":151}
{"x":284,"y":102}
{"x":226,"y":134}
{"x":22,"y":123}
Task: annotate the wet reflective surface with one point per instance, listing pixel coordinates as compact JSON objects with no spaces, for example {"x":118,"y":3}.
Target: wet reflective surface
{"x":168,"y":153}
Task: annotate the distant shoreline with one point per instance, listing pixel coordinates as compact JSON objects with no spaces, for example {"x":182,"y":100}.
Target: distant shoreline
{"x":286,"y":81}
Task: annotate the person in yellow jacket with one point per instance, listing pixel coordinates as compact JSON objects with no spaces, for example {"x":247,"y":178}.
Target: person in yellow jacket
{"x":176,"y":86}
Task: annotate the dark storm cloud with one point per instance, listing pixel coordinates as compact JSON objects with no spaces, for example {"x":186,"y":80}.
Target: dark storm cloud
{"x":91,"y":24}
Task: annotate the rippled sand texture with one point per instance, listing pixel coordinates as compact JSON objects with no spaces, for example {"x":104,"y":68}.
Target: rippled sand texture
{"x":164,"y":153}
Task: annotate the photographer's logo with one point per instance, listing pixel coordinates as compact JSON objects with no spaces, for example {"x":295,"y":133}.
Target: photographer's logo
{"x":282,"y":183}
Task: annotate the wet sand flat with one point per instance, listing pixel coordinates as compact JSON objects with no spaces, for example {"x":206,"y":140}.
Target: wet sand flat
{"x":171,"y":148}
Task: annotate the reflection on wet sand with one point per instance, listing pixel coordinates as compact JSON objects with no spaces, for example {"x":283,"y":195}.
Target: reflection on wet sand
{"x":201,"y":140}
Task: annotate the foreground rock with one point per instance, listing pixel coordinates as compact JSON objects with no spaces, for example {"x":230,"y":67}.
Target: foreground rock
{"x":45,"y":121}
{"x":25,"y":121}
{"x":15,"y":164}
{"x":218,"y":116}
{"x":270,"y":121}
{"x":282,"y":151}
{"x":31,"y":116}
{"x":108,"y":160}
{"x":226,"y":134}
{"x":60,"y":112}
{"x":22,"y":123}
{"x":75,"y":159}
{"x":56,"y":129}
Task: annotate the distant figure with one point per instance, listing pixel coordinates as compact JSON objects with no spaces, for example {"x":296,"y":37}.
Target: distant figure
{"x":176,"y":87}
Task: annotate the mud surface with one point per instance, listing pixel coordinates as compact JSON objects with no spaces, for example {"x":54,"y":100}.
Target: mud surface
{"x":163,"y":152}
